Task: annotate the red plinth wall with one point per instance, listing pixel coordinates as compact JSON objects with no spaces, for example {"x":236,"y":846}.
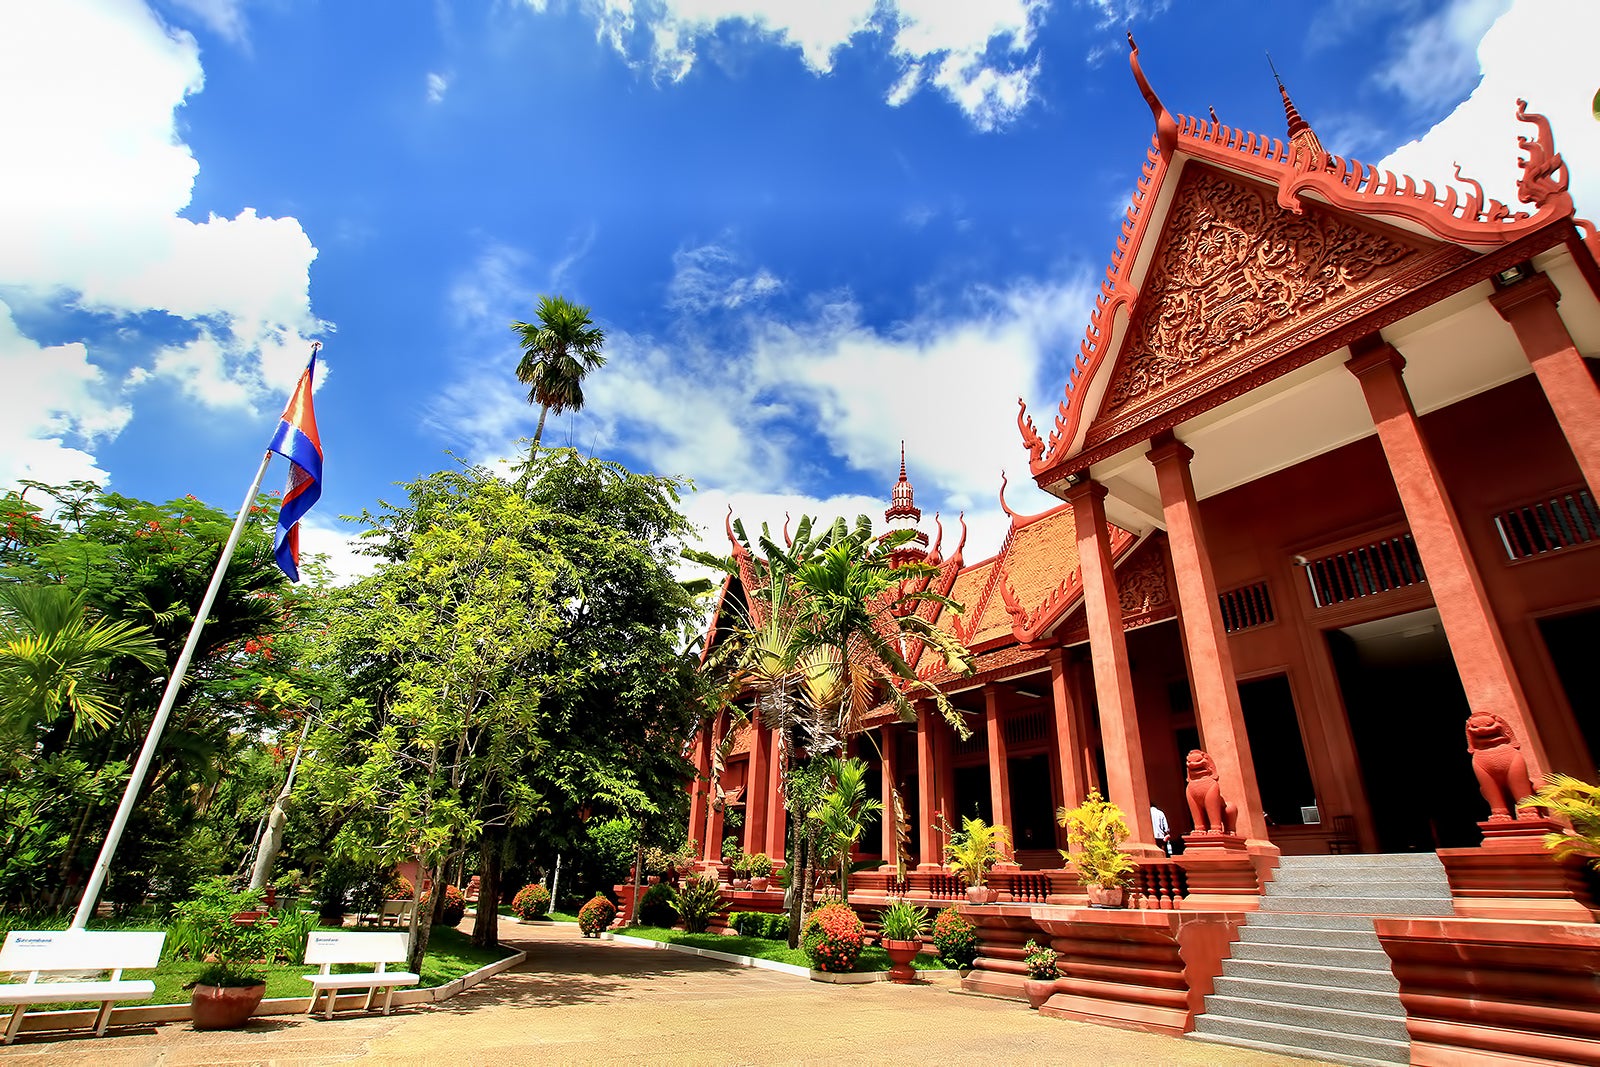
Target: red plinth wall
{"x":1485,"y":991}
{"x":1513,"y":876}
{"x":1137,"y":969}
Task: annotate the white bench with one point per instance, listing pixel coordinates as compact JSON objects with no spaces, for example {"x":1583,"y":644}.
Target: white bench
{"x":328,"y":947}
{"x":395,"y":913}
{"x":76,"y":951}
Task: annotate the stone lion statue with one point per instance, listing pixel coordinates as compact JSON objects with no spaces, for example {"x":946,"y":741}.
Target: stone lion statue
{"x":1210,"y":812}
{"x":1498,"y":762}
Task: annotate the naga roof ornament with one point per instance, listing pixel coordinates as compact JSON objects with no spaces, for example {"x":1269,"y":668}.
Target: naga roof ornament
{"x":1469,"y":220}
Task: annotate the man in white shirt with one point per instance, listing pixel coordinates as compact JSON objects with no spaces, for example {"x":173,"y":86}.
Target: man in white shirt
{"x":1163,"y":831}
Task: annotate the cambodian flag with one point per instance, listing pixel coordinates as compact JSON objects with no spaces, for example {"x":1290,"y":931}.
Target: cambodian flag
{"x":297,"y":442}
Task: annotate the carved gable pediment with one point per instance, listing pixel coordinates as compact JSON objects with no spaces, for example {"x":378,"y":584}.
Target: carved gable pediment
{"x":1237,"y":281}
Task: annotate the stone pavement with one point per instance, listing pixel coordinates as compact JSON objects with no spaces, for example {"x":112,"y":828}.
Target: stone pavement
{"x":592,"y":1002}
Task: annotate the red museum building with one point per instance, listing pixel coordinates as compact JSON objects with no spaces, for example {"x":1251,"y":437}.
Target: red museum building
{"x":1327,"y":460}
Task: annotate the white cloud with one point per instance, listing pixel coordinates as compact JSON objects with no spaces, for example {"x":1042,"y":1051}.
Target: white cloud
{"x":335,"y":540}
{"x":224,"y":17}
{"x":709,"y":277}
{"x":1519,"y":56}
{"x":95,"y":176}
{"x":51,"y":394}
{"x":1434,"y":63}
{"x":977,"y":51}
{"x":437,"y":85}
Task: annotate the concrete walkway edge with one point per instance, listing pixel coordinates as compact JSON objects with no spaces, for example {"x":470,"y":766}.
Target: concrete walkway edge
{"x":710,"y":954}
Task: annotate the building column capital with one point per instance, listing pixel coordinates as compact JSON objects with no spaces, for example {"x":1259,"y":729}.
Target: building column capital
{"x":1086,"y":489}
{"x":1373,"y":353}
{"x":1539,"y":288}
{"x":1166,"y":448}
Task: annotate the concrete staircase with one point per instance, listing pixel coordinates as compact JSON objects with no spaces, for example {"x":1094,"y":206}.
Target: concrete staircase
{"x":1307,"y":975}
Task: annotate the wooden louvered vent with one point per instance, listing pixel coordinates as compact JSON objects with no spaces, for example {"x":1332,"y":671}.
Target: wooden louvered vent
{"x":1565,"y":520}
{"x":1389,"y":563}
{"x":1246,"y":607}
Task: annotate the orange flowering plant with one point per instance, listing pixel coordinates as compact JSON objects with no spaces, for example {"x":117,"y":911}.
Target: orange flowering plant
{"x":833,"y":938}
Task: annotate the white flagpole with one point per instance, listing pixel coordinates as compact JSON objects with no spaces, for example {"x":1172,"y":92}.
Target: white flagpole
{"x":102,"y":866}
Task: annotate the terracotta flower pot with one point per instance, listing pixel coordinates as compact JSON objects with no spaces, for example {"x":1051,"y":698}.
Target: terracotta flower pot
{"x":760,"y":884}
{"x":1105,"y":896}
{"x":982,"y":894}
{"x":224,"y":1007}
{"x":1038,"y":990}
{"x":901,"y":953}
{"x":740,"y":883}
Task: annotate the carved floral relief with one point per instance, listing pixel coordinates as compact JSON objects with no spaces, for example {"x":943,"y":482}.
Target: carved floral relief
{"x":1232,"y":271}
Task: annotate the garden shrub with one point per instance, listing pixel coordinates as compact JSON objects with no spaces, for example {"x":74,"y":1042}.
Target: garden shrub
{"x":658,"y":906}
{"x":455,"y":906}
{"x":833,"y":938}
{"x":698,"y":902}
{"x":760,"y":924}
{"x":956,"y":937}
{"x":398,"y":887}
{"x":596,"y":915}
{"x":531,"y":902}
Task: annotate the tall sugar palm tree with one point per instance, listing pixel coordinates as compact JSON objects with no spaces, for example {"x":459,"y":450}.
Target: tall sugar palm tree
{"x":558,"y":352}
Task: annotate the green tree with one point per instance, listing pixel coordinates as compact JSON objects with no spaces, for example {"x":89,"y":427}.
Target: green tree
{"x":558,"y":352}
{"x":142,"y":567}
{"x":55,"y":662}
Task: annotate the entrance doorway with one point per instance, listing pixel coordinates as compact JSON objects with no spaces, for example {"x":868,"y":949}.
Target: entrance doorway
{"x":1572,"y":640}
{"x":1407,"y":713}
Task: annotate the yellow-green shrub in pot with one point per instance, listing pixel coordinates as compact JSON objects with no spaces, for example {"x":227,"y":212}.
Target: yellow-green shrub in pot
{"x":1095,"y":832}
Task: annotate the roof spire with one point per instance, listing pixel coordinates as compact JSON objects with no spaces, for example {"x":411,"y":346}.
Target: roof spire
{"x":1300,"y":132}
{"x":903,"y":514}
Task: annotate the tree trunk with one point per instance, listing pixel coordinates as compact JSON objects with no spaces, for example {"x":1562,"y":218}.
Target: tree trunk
{"x":555,"y":882}
{"x":638,"y":875}
{"x":538,"y":433}
{"x":797,"y":886}
{"x":486,"y":926}
{"x":422,"y":929}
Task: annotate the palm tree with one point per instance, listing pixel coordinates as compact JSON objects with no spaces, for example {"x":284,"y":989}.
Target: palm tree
{"x":844,"y":811}
{"x":821,"y":646}
{"x":558,"y":351}
{"x":54,"y":660}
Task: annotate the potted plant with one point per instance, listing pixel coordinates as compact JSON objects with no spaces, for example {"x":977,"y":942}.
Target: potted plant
{"x":657,"y":862}
{"x":759,"y":867}
{"x":229,"y":989}
{"x":903,"y":926}
{"x":740,"y":869}
{"x":1042,"y":972}
{"x":972,"y":850}
{"x":1095,"y":832}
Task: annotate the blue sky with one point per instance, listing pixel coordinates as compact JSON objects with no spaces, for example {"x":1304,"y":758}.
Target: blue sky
{"x":810,"y":228}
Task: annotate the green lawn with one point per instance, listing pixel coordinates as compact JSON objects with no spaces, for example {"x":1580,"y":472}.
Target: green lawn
{"x":451,"y":954}
{"x":554,"y":916}
{"x":872,"y":958}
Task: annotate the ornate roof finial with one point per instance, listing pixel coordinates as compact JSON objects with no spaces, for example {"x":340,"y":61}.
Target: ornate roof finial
{"x":1214,"y":120}
{"x":1300,"y":132}
{"x":1166,"y":125}
{"x":903,"y":514}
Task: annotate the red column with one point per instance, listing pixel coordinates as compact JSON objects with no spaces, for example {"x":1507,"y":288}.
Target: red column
{"x":710,"y":827}
{"x":699,"y":790}
{"x":1530,"y":308}
{"x":1113,"y":680}
{"x":776,"y":816}
{"x":929,"y":854}
{"x":1205,"y":642}
{"x":890,"y":844}
{"x":999,"y":770}
{"x":1479,"y":649}
{"x":1069,"y":738}
{"x":755,"y":788}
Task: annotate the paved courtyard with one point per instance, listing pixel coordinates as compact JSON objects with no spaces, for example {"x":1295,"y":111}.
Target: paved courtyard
{"x":591,"y":1002}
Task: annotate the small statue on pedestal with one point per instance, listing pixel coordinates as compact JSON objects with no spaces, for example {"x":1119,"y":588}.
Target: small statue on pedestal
{"x":1498,"y":762}
{"x":1210,"y":812}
